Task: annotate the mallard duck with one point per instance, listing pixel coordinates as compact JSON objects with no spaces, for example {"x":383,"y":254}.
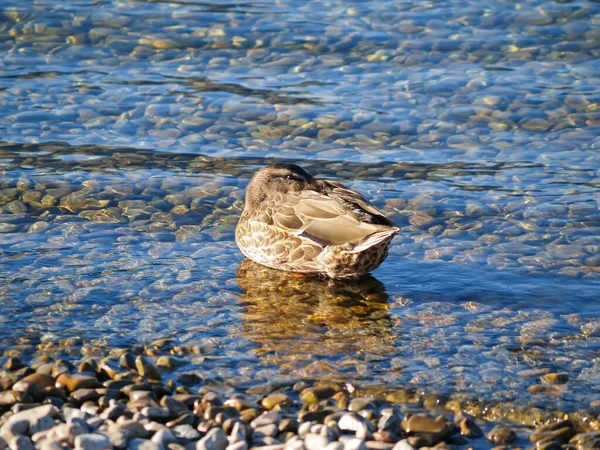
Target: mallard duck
{"x":294,"y":222}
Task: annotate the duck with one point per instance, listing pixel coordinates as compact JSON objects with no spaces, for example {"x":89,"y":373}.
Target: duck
{"x":294,"y":222}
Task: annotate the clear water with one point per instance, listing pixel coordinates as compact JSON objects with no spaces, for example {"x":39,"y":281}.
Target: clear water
{"x":129,"y":130}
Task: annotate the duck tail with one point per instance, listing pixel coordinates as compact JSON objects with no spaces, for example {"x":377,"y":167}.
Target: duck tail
{"x":375,"y":238}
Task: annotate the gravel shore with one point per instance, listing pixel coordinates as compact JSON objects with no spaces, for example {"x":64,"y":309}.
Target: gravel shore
{"x":120,"y":402}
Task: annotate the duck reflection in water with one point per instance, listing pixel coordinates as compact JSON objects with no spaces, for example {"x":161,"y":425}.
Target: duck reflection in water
{"x":314,"y":325}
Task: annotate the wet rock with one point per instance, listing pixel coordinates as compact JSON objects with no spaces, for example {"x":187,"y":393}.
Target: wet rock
{"x":146,"y":368}
{"x":315,"y":441}
{"x":240,"y":445}
{"x":403,"y":445}
{"x":273,"y":400}
{"x":354,"y":422}
{"x":164,"y":438}
{"x":501,"y":435}
{"x":215,"y":439}
{"x":143,"y":444}
{"x":9,"y":398}
{"x":391,"y":423}
{"x":186,"y":432}
{"x":355,"y":444}
{"x":555,"y":378}
{"x":21,"y":443}
{"x":73,"y":381}
{"x":422,"y":423}
{"x":92,"y":442}
{"x":316,"y":393}
{"x":267,"y":418}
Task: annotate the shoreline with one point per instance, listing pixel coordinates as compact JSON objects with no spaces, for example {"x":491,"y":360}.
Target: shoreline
{"x":123,"y":402}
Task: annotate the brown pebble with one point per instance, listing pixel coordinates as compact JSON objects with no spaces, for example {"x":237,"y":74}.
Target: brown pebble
{"x":73,"y":381}
{"x":273,"y":400}
{"x":555,"y":378}
{"x":561,"y":435}
{"x":40,"y":379}
{"x":469,"y":428}
{"x":501,"y":435}
{"x":9,"y":398}
{"x":424,"y":423}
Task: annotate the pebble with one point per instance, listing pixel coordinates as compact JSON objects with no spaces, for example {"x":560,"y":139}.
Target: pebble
{"x":186,"y":432}
{"x":267,"y":418}
{"x":315,"y":441}
{"x":241,"y":445}
{"x":555,"y":378}
{"x":20,"y":443}
{"x":355,"y":444}
{"x":215,"y":439}
{"x":501,"y":435}
{"x":92,"y":442}
{"x":74,"y":381}
{"x":143,"y":444}
{"x":146,"y":368}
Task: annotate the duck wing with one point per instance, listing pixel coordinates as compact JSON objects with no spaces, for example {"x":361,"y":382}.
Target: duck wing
{"x":326,"y":221}
{"x":355,"y":202}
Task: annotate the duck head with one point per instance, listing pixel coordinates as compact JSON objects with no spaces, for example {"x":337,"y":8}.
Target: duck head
{"x":277,"y":178}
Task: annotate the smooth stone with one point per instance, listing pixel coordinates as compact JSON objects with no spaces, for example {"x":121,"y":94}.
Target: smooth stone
{"x":10,"y":398}
{"x":288,"y":424}
{"x":40,"y":379}
{"x":316,"y":393}
{"x":358,"y":404}
{"x":146,"y":368}
{"x":85,"y":394}
{"x":379,"y":445}
{"x":562,"y":434}
{"x":92,"y":441}
{"x":238,"y":433}
{"x":315,"y":441}
{"x":271,"y":401}
{"x":353,"y":422}
{"x":21,"y":443}
{"x":469,"y":428}
{"x":13,"y":428}
{"x":265,"y":430}
{"x":131,"y":428}
{"x":43,"y":423}
{"x":117,"y":438}
{"x":267,"y":418}
{"x":403,"y":445}
{"x":555,"y":378}
{"x":549,"y":444}
{"x":334,"y":446}
{"x":73,"y":381}
{"x":32,"y":415}
{"x":215,"y":439}
{"x":163,"y":437}
{"x":501,"y":435}
{"x":355,"y":444}
{"x":65,"y":432}
{"x":156,"y":413}
{"x":175,"y":407}
{"x":391,"y":423}
{"x":185,"y":432}
{"x":552,"y":426}
{"x":423,"y":423}
{"x":240,"y":445}
{"x":114,"y":411}
{"x":47,"y":444}
{"x":143,"y":444}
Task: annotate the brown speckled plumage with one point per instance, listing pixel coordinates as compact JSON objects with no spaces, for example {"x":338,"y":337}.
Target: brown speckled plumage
{"x":294,"y":222}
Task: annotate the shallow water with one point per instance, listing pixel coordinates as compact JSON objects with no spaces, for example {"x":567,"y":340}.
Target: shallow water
{"x":129,"y":131}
